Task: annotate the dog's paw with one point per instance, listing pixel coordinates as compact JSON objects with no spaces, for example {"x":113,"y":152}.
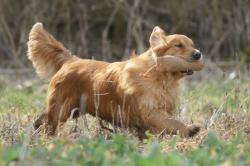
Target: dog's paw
{"x":39,"y":121}
{"x":193,"y":130}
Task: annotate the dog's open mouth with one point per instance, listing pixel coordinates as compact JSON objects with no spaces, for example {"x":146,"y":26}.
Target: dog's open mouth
{"x":187,"y":72}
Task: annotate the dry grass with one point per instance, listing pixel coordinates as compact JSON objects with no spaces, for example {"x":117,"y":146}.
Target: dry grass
{"x":222,"y":107}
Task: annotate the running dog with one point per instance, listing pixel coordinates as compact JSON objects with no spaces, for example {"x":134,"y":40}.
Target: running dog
{"x":140,"y":93}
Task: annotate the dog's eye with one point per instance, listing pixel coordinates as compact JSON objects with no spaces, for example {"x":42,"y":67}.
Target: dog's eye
{"x":179,"y":45}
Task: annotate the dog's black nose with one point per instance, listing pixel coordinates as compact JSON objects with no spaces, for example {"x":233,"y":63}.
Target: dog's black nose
{"x":196,"y":55}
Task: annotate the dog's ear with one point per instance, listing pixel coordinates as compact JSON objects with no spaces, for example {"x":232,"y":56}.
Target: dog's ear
{"x":155,"y":37}
{"x":156,"y":41}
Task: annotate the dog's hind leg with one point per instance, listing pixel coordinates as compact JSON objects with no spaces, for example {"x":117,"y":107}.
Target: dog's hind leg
{"x":59,"y":113}
{"x":53,"y":118}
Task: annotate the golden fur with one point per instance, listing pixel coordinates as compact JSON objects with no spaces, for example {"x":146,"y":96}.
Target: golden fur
{"x":139,"y":93}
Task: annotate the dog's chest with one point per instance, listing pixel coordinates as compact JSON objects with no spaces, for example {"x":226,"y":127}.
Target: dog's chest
{"x":161,"y":96}
{"x":157,"y":92}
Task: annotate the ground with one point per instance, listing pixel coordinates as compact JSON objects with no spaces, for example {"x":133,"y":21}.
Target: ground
{"x":220,"y":106}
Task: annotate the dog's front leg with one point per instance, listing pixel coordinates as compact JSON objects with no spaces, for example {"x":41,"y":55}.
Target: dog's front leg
{"x":158,"y":122}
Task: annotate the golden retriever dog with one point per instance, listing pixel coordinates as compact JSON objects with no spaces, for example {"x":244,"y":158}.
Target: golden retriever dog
{"x":140,"y":93}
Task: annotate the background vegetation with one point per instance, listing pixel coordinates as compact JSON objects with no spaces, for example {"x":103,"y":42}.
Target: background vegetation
{"x":110,"y":29}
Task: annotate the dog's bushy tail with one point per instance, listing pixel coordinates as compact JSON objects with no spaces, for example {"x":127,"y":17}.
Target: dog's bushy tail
{"x":46,"y":53}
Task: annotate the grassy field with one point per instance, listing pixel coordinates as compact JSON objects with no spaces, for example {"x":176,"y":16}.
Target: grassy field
{"x":221,"y":108}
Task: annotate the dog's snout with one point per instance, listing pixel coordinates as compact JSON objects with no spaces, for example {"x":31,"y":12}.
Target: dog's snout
{"x":196,"y":55}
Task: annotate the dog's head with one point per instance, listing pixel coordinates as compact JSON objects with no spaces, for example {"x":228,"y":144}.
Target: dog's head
{"x":175,"y":52}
